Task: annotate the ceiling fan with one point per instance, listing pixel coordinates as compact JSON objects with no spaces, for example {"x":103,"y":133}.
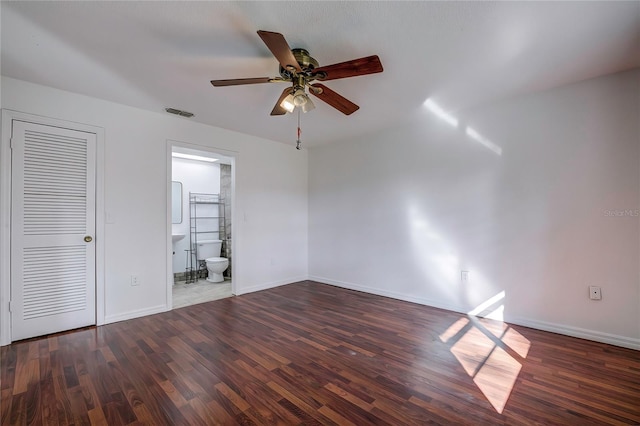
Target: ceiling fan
{"x":301,"y":70}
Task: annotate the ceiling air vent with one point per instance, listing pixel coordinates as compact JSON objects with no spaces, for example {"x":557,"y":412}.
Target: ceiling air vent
{"x":179,"y":112}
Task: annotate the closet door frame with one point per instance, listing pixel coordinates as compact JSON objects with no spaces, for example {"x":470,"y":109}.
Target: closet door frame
{"x":8,"y":116}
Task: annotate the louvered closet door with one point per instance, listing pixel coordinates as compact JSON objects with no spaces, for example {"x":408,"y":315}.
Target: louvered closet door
{"x":53,"y":213}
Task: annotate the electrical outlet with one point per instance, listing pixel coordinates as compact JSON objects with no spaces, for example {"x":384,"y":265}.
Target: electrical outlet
{"x":464,"y":277}
{"x":595,"y":292}
{"x":135,"y":280}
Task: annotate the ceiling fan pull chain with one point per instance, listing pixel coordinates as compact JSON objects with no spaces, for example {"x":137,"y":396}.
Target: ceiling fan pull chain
{"x":298,"y":142}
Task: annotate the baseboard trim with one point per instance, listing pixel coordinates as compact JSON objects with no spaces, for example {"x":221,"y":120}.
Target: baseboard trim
{"x":390,"y":294}
{"x":582,"y":333}
{"x":108,"y":319}
{"x":266,"y":286}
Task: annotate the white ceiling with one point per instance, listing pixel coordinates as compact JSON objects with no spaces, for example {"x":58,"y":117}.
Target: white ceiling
{"x":154,"y":55}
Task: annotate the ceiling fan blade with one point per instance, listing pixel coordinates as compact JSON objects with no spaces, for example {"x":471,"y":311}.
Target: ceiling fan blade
{"x":353,"y":68}
{"x":277,"y":109}
{"x":337,"y":101}
{"x":280,"y":49}
{"x":239,"y":81}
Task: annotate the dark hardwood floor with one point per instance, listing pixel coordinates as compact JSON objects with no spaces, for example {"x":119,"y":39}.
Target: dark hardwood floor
{"x":309,"y":353}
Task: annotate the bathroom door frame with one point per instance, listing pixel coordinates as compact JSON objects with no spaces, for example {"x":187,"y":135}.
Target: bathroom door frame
{"x":233,"y":155}
{"x":8,"y":116}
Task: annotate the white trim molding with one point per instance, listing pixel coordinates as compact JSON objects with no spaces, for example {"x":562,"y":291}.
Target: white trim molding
{"x":266,"y":286}
{"x":390,"y":294}
{"x":136,"y":314}
{"x":582,"y":333}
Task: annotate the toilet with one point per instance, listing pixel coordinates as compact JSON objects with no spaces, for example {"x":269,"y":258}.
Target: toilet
{"x":209,"y":252}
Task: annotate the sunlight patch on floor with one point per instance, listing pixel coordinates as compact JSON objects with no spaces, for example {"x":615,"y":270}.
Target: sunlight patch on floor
{"x":497,"y":377}
{"x":472,"y":350}
{"x":489,"y":351}
{"x":454,"y":329}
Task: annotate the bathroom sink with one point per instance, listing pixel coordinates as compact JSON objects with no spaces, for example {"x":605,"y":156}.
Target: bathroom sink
{"x":176,"y":237}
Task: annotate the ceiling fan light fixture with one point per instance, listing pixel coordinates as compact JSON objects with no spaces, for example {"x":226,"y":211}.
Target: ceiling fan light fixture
{"x":300,"y":98}
{"x":288,"y":103}
{"x":308,"y":106}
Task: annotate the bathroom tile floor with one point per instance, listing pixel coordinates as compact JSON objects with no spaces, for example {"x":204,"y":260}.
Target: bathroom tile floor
{"x":199,"y":292}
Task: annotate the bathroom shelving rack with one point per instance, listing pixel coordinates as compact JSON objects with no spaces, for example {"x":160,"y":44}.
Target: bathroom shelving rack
{"x":206,"y":222}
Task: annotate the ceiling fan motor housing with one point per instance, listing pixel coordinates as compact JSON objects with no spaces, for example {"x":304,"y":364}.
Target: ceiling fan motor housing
{"x":306,"y":62}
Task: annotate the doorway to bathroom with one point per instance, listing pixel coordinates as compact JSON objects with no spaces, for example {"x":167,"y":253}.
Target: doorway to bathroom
{"x":201,"y":225}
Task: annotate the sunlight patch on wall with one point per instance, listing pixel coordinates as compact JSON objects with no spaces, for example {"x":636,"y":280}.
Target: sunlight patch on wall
{"x":490,"y":352}
{"x":441,"y":113}
{"x":437,"y":258}
{"x":453,"y":121}
{"x":488,"y":308}
{"x":473,"y":134}
{"x":439,"y":262}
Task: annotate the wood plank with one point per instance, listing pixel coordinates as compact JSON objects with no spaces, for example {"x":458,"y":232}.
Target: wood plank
{"x":309,"y":353}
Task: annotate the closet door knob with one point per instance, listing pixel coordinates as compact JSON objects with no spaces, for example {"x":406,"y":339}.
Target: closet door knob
{"x":88,"y":239}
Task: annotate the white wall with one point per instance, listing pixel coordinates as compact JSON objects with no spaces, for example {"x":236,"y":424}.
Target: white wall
{"x":195,"y":176}
{"x":401,"y":213}
{"x":270,"y":213}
